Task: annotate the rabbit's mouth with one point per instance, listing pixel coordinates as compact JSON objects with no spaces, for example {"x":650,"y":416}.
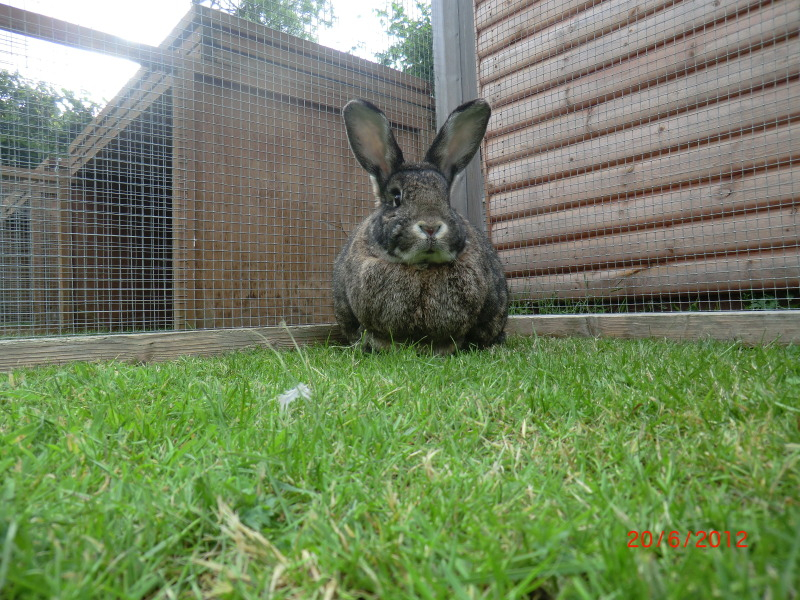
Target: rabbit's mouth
{"x":428,"y":252}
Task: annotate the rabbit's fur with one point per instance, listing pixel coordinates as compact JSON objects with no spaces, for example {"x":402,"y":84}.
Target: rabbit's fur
{"x":415,"y":271}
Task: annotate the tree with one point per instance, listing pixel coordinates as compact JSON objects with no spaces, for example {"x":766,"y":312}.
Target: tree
{"x":412,"y":50}
{"x":37,"y":120}
{"x":296,"y":17}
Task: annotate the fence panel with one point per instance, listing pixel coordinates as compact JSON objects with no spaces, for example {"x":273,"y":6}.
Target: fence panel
{"x":644,"y":155}
{"x":212,"y":191}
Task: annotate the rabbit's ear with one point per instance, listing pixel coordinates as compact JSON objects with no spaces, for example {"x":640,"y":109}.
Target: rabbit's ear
{"x":459,"y":138}
{"x":371,"y":139}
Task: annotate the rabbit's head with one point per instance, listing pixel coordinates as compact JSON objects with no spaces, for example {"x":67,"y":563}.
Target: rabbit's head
{"x":416,"y":224}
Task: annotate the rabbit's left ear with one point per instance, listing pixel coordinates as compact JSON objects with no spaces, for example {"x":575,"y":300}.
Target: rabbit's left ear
{"x":459,"y":138}
{"x":370,"y":135}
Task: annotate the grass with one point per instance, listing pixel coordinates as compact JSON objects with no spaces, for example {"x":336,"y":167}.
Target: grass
{"x":512,"y":473}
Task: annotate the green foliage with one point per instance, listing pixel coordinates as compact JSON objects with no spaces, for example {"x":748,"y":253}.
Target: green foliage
{"x":412,"y":50}
{"x":295,"y":17}
{"x":780,"y":300}
{"x":38,"y":121}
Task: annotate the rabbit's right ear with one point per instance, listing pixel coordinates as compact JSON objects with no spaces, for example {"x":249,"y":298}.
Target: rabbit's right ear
{"x":370,"y":135}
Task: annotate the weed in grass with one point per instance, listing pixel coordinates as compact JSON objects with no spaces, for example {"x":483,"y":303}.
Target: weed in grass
{"x":517,"y":472}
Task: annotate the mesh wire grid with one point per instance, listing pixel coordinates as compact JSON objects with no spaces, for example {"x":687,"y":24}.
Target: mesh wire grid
{"x":642,"y":156}
{"x":215,"y":186}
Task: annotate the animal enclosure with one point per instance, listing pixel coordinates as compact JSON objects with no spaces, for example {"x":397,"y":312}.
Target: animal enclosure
{"x":643,"y":155}
{"x":212,"y":191}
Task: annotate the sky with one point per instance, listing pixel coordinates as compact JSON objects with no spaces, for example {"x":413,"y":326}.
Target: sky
{"x":149,"y":22}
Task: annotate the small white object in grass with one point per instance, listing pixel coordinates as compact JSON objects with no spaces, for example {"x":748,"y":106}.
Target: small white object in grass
{"x":289,"y":396}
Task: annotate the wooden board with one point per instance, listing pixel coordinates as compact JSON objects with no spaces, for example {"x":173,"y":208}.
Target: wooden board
{"x":307,"y":52}
{"x":28,"y":250}
{"x":770,"y":65}
{"x":751,"y":327}
{"x":729,"y":157}
{"x":775,"y":187}
{"x":18,"y":186}
{"x":38,"y":26}
{"x":44,"y":249}
{"x":488,"y":12}
{"x":145,"y":88}
{"x":771,"y":228}
{"x":284,"y":83}
{"x":149,"y":347}
{"x":748,"y":327}
{"x":775,"y":269}
{"x":335,"y":79}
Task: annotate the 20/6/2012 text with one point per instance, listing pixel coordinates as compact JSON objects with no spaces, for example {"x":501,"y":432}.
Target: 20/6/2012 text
{"x":696,"y":539}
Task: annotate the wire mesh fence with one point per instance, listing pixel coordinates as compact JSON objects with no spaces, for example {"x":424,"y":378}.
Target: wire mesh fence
{"x":215,"y":186}
{"x":643,"y":156}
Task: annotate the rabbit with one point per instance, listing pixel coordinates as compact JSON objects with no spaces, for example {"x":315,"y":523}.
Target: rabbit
{"x":415,"y":271}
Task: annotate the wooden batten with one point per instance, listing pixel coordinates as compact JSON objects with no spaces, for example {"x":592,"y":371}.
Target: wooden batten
{"x":748,"y":327}
{"x":731,"y":157}
{"x":756,"y":271}
{"x":155,"y":347}
{"x":520,"y":20}
{"x":774,"y":105}
{"x":704,"y":88}
{"x":775,"y":227}
{"x":586,"y":25}
{"x":725,"y":197}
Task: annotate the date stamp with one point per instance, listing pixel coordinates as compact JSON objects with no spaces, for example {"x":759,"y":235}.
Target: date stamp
{"x":690,"y":539}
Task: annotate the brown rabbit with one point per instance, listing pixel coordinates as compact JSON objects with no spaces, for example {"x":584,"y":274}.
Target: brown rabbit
{"x":415,"y":271}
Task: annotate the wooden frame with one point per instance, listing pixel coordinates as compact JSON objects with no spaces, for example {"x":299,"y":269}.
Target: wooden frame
{"x":31,"y":24}
{"x":752,"y":328}
{"x":455,"y":74}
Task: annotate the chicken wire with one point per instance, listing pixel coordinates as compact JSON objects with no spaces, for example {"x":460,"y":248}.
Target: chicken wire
{"x":643,"y":155}
{"x":208,"y":184}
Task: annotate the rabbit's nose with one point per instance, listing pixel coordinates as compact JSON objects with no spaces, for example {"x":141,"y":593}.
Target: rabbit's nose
{"x":430,"y":229}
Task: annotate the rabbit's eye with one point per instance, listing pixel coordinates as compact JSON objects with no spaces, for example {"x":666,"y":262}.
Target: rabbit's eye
{"x":397,"y":196}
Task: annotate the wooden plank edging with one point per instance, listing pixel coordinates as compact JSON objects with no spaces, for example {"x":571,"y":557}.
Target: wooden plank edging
{"x":749,"y":327}
{"x":158,"y":346}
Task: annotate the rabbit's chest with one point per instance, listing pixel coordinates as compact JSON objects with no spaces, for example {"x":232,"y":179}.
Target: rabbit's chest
{"x":412,"y":301}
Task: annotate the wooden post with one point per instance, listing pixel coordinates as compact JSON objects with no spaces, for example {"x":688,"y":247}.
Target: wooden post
{"x":455,"y":80}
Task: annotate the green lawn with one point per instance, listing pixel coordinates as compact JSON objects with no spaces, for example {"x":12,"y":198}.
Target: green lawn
{"x":512,"y":473}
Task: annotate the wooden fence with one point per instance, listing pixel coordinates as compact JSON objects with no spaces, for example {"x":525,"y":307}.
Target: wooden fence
{"x":643,"y":148}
